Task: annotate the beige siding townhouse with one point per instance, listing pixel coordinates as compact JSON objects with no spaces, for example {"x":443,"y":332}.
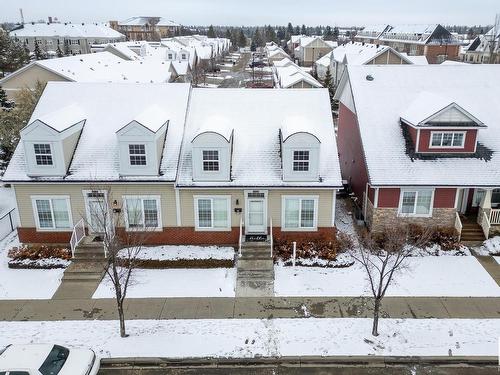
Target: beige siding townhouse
{"x":192,"y":174}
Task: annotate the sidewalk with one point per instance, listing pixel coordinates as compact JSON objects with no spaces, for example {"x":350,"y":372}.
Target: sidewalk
{"x":250,"y":308}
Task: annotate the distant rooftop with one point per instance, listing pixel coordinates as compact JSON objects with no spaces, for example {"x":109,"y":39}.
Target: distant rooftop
{"x":70,"y":30}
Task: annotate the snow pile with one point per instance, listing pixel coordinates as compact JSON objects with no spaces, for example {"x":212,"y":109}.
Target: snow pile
{"x":342,"y":260}
{"x":169,"y":252}
{"x":248,"y":338}
{"x":490,"y":247}
{"x":44,"y":263}
{"x":152,"y":283}
{"x":421,"y":277}
{"x":436,"y":250}
{"x":25,"y":283}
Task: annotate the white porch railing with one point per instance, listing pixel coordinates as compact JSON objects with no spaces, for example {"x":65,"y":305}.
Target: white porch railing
{"x":77,"y":236}
{"x":271,"y":234}
{"x":240,"y":239}
{"x":485,"y":224}
{"x":458,"y":225}
{"x":494,"y":216}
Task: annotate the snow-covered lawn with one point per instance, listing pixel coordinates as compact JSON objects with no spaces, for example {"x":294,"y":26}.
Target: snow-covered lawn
{"x":244,"y":338}
{"x":490,"y":246}
{"x":25,"y":283}
{"x":168,"y":252}
{"x":212,"y":282}
{"x":429,"y":276}
{"x":7,"y":203}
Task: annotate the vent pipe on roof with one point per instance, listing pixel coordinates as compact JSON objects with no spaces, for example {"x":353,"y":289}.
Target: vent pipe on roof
{"x":369,"y":77}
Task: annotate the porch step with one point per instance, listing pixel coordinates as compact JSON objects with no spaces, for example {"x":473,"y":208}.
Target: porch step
{"x":84,"y":276}
{"x":255,"y":264}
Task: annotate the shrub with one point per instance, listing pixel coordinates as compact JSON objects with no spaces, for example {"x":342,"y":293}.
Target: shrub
{"x":445,"y":237}
{"x":36,"y":252}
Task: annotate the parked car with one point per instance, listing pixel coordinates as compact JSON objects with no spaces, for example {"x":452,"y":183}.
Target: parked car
{"x":47,"y":359}
{"x":257,"y":64}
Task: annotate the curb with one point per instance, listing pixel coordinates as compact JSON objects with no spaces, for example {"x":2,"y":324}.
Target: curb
{"x":300,"y":361}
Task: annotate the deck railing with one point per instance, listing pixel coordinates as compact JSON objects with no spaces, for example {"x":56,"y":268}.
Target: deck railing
{"x":458,"y":225}
{"x":240,"y":239}
{"x":485,"y":224}
{"x":77,"y":236}
{"x":495,"y":216}
{"x":271,"y":234}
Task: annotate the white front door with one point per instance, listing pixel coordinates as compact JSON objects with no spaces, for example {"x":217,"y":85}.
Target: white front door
{"x":97,"y":210}
{"x":256,"y":213}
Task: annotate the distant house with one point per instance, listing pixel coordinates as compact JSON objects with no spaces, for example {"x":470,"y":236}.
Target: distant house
{"x":94,"y":67}
{"x":480,"y":49}
{"x":288,"y":75}
{"x":146,"y":28}
{"x":312,"y":48}
{"x":358,"y":53}
{"x":432,"y":41}
{"x":422,"y":144}
{"x":275,"y":53}
{"x":193,"y":166}
{"x":73,"y":38}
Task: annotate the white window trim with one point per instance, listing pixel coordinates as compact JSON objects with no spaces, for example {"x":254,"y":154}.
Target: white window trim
{"x":203,"y":160}
{"x":212,"y":229}
{"x":314,"y":228}
{"x":308,"y":160}
{"x":415,"y":190}
{"x":448,"y":132}
{"x":34,"y":198}
{"x":157,"y":198}
{"x":51,"y":146}
{"x":138,"y":166}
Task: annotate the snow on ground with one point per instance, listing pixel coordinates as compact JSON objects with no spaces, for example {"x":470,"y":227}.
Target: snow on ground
{"x":460,"y":276}
{"x":343,"y":217}
{"x":248,"y":338}
{"x":25,"y":284}
{"x":184,"y":252}
{"x":7,"y":203}
{"x":211,"y":282}
{"x":490,"y":246}
{"x":497,"y":259}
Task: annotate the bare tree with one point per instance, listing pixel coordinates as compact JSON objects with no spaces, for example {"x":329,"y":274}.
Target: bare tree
{"x":383,"y":257}
{"x":108,"y":218}
{"x":493,"y":40}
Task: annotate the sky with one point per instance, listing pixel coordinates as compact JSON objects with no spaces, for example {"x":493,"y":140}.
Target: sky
{"x":259,"y":12}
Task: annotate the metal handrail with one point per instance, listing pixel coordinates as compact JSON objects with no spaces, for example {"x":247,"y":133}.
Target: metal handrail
{"x":76,"y":236}
{"x":271,"y":234}
{"x":458,"y":225}
{"x":240,"y":240}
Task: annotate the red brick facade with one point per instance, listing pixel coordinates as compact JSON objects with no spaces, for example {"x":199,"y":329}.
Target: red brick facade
{"x":31,"y":235}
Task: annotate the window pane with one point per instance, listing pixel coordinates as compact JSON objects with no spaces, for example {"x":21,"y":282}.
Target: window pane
{"x":458,"y":139}
{"x":210,"y":160}
{"x":220,"y":213}
{"x":134,"y":212}
{"x":307,"y":213}
{"x":292,"y":211}
{"x":137,"y":154}
{"x":43,"y":155}
{"x":256,"y":212}
{"x":301,"y":161}
{"x":44,"y":213}
{"x":150,"y":213}
{"x":447,"y":138}
{"x":61,"y":213}
{"x":204,"y":213}
{"x":424,"y":202}
{"x":478,"y":197}
{"x":408,"y":204}
{"x":436,"y":139}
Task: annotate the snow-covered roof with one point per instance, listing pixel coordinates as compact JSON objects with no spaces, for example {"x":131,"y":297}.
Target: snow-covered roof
{"x":166,"y":22}
{"x":381,"y":101}
{"x":107,"y":67}
{"x":97,"y":156}
{"x":291,"y":74}
{"x":373,"y":30}
{"x":69,"y":30}
{"x":63,"y":117}
{"x":257,"y":117}
{"x":417,"y":60}
{"x":122,"y":49}
{"x":325,"y":60}
{"x":413,"y":29}
{"x":136,"y":21}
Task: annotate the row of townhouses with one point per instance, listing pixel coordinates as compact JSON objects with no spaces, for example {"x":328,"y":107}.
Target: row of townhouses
{"x":208,"y":165}
{"x":146,"y":28}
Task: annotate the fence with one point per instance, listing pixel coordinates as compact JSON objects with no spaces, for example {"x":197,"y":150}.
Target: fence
{"x":8,"y":222}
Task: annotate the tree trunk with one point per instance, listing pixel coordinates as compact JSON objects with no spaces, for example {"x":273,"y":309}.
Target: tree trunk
{"x":121,"y":316}
{"x":376,"y":311}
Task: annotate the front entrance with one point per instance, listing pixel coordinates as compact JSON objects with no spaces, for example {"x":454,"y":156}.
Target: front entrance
{"x":256,"y":212}
{"x":97,"y":210}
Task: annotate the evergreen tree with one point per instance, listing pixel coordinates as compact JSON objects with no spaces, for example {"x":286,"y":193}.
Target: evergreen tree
{"x":303,"y":30}
{"x":289,"y":31}
{"x":59,"y":52}
{"x":328,"y":83}
{"x":270,"y":34}
{"x":328,"y":34}
{"x":281,"y":34}
{"x":242,"y":39}
{"x":297,"y":30}
{"x":211,"y":32}
{"x":39,"y":53}
{"x":13,"y":54}
{"x":67,"y":50}
{"x":335,"y":33}
{"x":4,"y":102}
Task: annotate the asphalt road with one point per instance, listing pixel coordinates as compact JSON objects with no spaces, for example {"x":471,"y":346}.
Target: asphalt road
{"x":278,"y":370}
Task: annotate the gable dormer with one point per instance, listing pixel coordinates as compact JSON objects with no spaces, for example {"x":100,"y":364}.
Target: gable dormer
{"x":212,"y":151}
{"x":141,"y":143}
{"x":50,"y":141}
{"x":299,"y":153}
{"x":440,"y":125}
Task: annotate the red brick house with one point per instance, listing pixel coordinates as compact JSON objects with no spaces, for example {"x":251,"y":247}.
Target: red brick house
{"x":421,"y":143}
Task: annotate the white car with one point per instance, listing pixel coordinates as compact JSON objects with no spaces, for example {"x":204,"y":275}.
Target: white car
{"x":47,"y":359}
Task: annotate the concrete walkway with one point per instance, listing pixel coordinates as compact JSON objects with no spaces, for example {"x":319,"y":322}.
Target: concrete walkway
{"x":491,"y":266}
{"x":249,"y":307}
{"x":255,"y":271}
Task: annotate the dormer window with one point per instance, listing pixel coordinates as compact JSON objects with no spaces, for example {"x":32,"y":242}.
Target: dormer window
{"x":137,"y":154}
{"x":43,"y":154}
{"x":301,"y":161}
{"x":210,"y":160}
{"x":170,"y":56}
{"x":447,"y":139}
